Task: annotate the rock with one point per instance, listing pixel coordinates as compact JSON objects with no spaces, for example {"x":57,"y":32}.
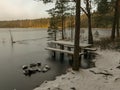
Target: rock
{"x":39,"y":64}
{"x":48,"y":88}
{"x":44,"y":69}
{"x":73,"y":88}
{"x":29,"y":71}
{"x":117,"y":79}
{"x":32,"y":65}
{"x":47,"y":67}
{"x":118,"y":67}
{"x":24,"y":67}
{"x":32,"y":70}
{"x":39,"y":69}
{"x":26,"y":72}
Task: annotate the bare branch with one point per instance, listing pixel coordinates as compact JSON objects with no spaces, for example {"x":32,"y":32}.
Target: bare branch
{"x":84,"y":11}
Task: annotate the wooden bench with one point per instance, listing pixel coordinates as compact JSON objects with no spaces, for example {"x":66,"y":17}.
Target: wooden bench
{"x":59,"y":50}
{"x":89,"y":52}
{"x":90,"y":49}
{"x":69,"y":44}
{"x":62,"y":51}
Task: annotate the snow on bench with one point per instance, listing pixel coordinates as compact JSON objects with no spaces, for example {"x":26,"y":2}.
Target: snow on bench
{"x":90,"y":49}
{"x":69,"y":44}
{"x":62,"y":51}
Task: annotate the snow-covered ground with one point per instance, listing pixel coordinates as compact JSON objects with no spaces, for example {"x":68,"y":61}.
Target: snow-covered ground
{"x":105,"y":76}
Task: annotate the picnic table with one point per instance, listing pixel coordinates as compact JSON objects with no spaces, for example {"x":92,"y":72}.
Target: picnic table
{"x":69,"y":44}
{"x":85,"y":49}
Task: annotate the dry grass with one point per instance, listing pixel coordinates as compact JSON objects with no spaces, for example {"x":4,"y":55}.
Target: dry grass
{"x":107,"y":43}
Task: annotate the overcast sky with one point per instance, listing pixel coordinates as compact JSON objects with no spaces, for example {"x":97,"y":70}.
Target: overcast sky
{"x":23,"y":9}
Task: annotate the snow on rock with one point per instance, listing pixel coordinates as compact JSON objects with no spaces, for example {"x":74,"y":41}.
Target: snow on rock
{"x":105,"y":76}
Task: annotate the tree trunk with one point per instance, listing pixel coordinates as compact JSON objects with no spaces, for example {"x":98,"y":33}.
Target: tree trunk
{"x":90,"y":36}
{"x":62,"y":23}
{"x":118,"y":33}
{"x":71,"y":26}
{"x":62,"y":28}
{"x":62,"y":46}
{"x":76,"y":61}
{"x":114,"y":21}
{"x":118,"y":17}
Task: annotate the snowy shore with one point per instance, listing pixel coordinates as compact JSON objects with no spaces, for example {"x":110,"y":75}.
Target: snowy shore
{"x":105,"y":76}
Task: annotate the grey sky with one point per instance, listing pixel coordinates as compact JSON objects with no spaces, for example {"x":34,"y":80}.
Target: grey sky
{"x":22,"y":9}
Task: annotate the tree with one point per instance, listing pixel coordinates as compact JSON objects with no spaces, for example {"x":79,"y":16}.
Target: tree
{"x":104,"y":8}
{"x":87,"y":11}
{"x":62,"y":7}
{"x":76,"y":61}
{"x":115,"y":22}
{"x":118,"y":18}
{"x":53,"y":21}
{"x":72,"y":14}
{"x":88,"y":8}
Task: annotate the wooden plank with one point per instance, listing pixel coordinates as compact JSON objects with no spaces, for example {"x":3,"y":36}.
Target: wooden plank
{"x":59,"y":50}
{"x":90,"y":49}
{"x":69,"y":44}
{"x":62,"y":51}
{"x":65,"y":43}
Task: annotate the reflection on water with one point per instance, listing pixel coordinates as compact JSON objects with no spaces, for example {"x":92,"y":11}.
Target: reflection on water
{"x":97,"y":34}
{"x":29,"y":48}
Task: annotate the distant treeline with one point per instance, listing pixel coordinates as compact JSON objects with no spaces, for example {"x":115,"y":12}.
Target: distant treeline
{"x":98,"y":21}
{"x":35,"y":23}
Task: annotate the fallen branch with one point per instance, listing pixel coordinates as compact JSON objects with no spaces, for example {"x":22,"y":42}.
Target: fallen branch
{"x":103,"y":73}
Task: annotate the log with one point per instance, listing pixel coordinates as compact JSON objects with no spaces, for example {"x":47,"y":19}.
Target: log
{"x":106,"y":74}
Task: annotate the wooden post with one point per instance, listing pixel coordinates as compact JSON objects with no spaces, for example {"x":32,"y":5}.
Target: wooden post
{"x":76,"y":61}
{"x":71,"y":60}
{"x":54,"y":54}
{"x":11,"y":37}
{"x":70,"y":56}
{"x":62,"y":54}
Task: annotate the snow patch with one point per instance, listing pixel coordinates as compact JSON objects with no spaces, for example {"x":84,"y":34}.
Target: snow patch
{"x":105,"y":76}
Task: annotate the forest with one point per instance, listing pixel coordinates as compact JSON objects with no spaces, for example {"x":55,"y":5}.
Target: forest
{"x":42,"y":23}
{"x":101,"y":17}
{"x":97,"y":22}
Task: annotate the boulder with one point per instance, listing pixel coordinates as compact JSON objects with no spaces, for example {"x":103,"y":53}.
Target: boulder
{"x":24,"y":67}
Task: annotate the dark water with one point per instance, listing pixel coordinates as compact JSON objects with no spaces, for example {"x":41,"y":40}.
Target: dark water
{"x":28,"y":49}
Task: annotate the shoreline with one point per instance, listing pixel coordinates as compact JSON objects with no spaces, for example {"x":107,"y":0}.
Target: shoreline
{"x":105,"y":76}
